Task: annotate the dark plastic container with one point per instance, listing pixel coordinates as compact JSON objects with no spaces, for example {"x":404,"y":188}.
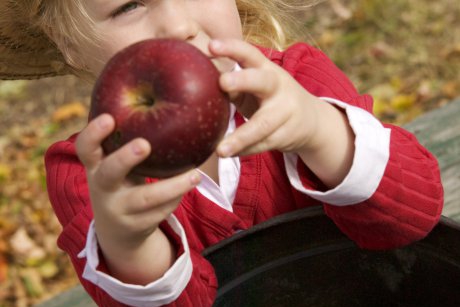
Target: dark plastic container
{"x":302,"y":259}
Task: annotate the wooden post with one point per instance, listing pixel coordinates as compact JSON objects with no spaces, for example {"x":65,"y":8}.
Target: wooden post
{"x":439,"y":131}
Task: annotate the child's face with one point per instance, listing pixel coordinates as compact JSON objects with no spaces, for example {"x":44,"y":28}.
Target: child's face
{"x":121,"y":23}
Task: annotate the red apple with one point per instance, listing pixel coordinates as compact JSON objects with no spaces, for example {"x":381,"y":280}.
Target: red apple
{"x":167,"y":92}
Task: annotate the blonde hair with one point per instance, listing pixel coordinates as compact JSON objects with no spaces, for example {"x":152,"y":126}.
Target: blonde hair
{"x":62,"y":22}
{"x":268,"y":23}
{"x":273,"y":23}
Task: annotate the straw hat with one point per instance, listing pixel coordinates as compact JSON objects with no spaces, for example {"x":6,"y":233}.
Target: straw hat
{"x":25,"y":51}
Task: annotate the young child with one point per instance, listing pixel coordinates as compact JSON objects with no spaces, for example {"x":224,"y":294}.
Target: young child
{"x":300,"y":135}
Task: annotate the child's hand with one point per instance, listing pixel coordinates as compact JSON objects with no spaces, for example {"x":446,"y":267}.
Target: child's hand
{"x":282,"y":115}
{"x":126,"y":212}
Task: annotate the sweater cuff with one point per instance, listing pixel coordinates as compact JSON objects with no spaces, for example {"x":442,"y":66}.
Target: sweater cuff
{"x":158,"y":293}
{"x":372,"y":152}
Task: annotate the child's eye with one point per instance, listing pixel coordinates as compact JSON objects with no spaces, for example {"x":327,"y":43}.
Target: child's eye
{"x":125,"y":8}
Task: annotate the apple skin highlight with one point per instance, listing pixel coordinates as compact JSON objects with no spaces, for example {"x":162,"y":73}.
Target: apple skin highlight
{"x":167,"y":92}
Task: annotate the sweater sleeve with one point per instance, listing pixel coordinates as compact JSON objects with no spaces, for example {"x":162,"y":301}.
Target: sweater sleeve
{"x":69,"y":196}
{"x":407,"y":200}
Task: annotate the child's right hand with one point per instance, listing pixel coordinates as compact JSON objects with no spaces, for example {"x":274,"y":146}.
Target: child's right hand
{"x":127,"y":212}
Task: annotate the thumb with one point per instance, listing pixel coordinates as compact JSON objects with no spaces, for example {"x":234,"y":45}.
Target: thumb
{"x":88,"y":143}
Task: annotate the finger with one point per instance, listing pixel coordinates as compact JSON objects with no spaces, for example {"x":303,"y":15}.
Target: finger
{"x":278,"y":139}
{"x":256,"y":130}
{"x":150,"y":196}
{"x":113,"y":170}
{"x":254,"y":81}
{"x":244,"y":53}
{"x":262,"y":146}
{"x":88,"y":143}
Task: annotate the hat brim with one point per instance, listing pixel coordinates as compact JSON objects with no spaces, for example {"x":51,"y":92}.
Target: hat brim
{"x":25,"y":51}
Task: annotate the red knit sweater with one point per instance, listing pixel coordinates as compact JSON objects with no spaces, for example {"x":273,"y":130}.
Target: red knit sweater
{"x":405,"y":207}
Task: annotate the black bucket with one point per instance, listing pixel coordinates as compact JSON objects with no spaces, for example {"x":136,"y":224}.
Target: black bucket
{"x":302,"y":259}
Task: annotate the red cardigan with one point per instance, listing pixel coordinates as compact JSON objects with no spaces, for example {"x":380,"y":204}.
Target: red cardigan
{"x":405,"y":207}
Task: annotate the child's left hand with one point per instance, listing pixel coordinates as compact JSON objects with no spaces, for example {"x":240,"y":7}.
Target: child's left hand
{"x":283,"y":115}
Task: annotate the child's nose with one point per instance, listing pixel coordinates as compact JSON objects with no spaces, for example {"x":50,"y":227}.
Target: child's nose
{"x":176,"y":21}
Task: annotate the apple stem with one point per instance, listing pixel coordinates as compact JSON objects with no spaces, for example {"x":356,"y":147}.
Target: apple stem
{"x":146,"y":100}
{"x":149,"y":101}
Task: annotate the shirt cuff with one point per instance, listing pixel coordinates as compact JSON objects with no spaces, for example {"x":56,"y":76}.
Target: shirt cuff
{"x":372,"y":152}
{"x":158,"y":293}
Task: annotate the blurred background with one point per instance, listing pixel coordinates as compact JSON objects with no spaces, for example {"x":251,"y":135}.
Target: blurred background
{"x":406,"y":53}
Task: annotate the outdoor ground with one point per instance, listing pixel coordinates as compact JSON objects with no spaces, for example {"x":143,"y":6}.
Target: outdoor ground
{"x":406,"y":53}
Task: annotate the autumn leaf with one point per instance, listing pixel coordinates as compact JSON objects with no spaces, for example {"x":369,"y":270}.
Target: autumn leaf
{"x":451,"y":89}
{"x":48,"y":269}
{"x":451,"y":52}
{"x":3,"y":269}
{"x":68,"y":111}
{"x":340,"y":9}
{"x":403,"y":102}
{"x":5,"y":172}
{"x":380,"y":107}
{"x":33,"y":282}
{"x":12,"y":89}
{"x":25,"y":248}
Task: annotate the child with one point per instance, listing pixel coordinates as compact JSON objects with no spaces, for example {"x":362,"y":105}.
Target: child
{"x":301,"y":136}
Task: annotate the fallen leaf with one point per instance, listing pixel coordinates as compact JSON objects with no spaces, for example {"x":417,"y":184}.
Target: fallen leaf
{"x":340,"y":9}
{"x":5,"y":172}
{"x":403,"y":102}
{"x":12,"y":89}
{"x":48,"y":269}
{"x":18,"y":289}
{"x":384,"y":92}
{"x":24,"y":247}
{"x":451,"y":52}
{"x":4,"y":142}
{"x":328,"y":38}
{"x":68,"y":111}
{"x":380,"y":107}
{"x":397,"y":83}
{"x":425,"y":90}
{"x":451,"y":90}
{"x":381,"y":50}
{"x":3,"y":269}
{"x":33,"y":282}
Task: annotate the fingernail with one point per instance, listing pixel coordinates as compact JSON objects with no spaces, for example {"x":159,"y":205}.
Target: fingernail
{"x":138,"y":148}
{"x":225,"y":150}
{"x":195,"y":178}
